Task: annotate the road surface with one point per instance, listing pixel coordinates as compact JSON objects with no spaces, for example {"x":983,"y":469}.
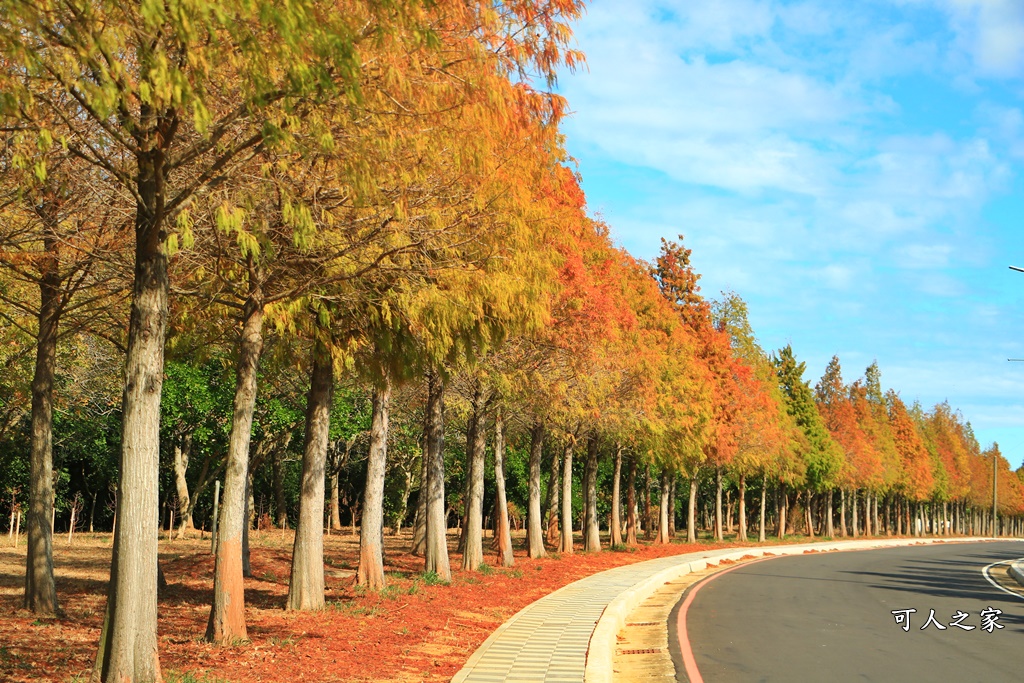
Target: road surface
{"x":829,"y":617}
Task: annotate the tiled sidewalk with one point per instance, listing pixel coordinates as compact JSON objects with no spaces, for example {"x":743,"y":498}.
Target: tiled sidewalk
{"x":548,"y":640}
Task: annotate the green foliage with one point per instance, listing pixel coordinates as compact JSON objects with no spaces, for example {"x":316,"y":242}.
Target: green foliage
{"x":821,"y":453}
{"x":196,"y":399}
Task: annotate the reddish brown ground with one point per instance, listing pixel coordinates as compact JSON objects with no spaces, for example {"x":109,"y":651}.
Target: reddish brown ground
{"x":410,"y":632}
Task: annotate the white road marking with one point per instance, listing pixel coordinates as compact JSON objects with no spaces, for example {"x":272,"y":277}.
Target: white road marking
{"x":984,"y":572}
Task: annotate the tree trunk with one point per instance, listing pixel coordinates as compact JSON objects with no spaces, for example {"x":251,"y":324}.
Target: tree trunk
{"x":874,"y":513}
{"x":402,"y":510}
{"x":718,"y":503}
{"x":783,"y":504}
{"x":761,"y":527}
{"x":691,"y":512}
{"x":591,"y":525}
{"x":672,"y":507}
{"x":227,"y":615}
{"x":247,"y":526}
{"x":277,"y":473}
{"x":335,"y":502}
{"x":807,"y":514}
{"x":473,"y":552}
{"x":504,"y":533}
{"x":648,"y":521}
{"x":616,"y":521}
{"x":742,"y":501}
{"x":306,"y":585}
{"x":40,"y":589}
{"x":205,"y":478}
{"x":71,"y":523}
{"x":534,"y":528}
{"x":419,"y":524}
{"x":887,"y":515}
{"x":631,"y":503}
{"x":842,"y":513}
{"x":371,"y":528}
{"x":182,"y":454}
{"x":728,"y":511}
{"x":436,"y":547}
{"x":853,"y":506}
{"x":567,"y":497}
{"x":554,"y":487}
{"x":128,"y":640}
{"x":666,"y":484}
{"x":467,"y":484}
{"x":868,"y":530}
{"x":899,"y":516}
{"x":829,"y":525}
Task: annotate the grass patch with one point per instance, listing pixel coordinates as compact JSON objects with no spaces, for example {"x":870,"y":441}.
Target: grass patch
{"x":352,"y":609}
{"x":278,"y":641}
{"x":390,"y":592}
{"x":485,"y":569}
{"x":432,"y":579}
{"x":188,"y":677}
{"x":8,"y":658}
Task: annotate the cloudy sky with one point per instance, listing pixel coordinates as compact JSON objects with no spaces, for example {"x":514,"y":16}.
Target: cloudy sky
{"x":855,"y":171}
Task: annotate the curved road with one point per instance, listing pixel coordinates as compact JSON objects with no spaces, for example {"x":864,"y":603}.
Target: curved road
{"x":829,"y":617}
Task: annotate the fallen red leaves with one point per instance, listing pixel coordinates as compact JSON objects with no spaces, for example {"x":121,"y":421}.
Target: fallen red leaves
{"x":410,"y":632}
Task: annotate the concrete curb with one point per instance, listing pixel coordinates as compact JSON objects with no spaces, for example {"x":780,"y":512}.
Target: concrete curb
{"x":601,"y":649}
{"x":1017,"y":571}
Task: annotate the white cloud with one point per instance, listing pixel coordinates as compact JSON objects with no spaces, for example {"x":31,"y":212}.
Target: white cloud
{"x":836,"y":276}
{"x":807,"y":18}
{"x":812,"y":157}
{"x":928,"y":256}
{"x":987,"y":35}
{"x":745,"y":125}
{"x":992,"y":32}
{"x":1004,"y":125}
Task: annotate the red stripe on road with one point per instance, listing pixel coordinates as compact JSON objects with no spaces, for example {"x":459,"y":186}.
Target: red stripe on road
{"x":689,"y":663}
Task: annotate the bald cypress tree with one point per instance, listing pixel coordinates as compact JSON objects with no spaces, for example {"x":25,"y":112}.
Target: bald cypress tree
{"x":822,"y":455}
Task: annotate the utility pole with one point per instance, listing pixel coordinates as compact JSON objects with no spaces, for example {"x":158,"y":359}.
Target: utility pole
{"x":1019,"y":270}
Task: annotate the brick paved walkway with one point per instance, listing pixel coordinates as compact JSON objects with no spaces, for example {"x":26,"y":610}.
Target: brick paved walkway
{"x":548,"y":640}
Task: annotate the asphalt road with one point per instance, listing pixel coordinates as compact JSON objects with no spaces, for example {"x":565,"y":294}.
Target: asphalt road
{"x":829,"y":617}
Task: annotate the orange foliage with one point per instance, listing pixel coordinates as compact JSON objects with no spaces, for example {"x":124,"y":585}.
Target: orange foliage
{"x":916,"y":479}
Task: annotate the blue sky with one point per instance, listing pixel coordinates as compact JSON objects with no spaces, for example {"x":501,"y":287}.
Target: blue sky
{"x":853,"y":170}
